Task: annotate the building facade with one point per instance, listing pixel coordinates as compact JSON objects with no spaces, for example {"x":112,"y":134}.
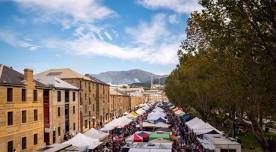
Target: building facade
{"x":87,"y":95}
{"x":102,"y":101}
{"x":119,"y":103}
{"x":61,"y":109}
{"x":135,"y":93}
{"x":135,"y":101}
{"x":21,"y":111}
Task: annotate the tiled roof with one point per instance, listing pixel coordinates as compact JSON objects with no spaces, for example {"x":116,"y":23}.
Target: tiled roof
{"x":9,"y":76}
{"x":63,"y":74}
{"x":51,"y":81}
{"x":95,"y":79}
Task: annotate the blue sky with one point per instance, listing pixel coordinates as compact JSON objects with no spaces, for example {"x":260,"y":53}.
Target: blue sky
{"x":92,"y":36}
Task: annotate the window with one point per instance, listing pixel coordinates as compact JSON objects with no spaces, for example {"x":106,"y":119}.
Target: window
{"x":58,"y":111}
{"x":24,"y":116}
{"x":23,"y":94}
{"x":93,"y":108}
{"x":74,"y":126}
{"x":89,"y":113}
{"x":85,"y":123}
{"x":35,"y":115}
{"x":73,"y":109}
{"x":10,"y":146}
{"x":24,"y":143}
{"x":85,"y":96}
{"x":35,"y":95}
{"x":58,"y":96}
{"x":85,"y":108}
{"x":80,"y":99}
{"x":74,"y":96}
{"x":59,"y":131}
{"x":9,"y":94}
{"x":35,"y":139}
{"x":10,"y":118}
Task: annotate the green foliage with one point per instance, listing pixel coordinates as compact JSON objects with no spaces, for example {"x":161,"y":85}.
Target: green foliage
{"x":227,"y":64}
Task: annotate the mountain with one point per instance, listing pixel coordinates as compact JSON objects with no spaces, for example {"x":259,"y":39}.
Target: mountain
{"x":129,"y":77}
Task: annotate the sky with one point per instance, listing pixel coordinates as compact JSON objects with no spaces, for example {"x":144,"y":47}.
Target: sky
{"x":93,"y":36}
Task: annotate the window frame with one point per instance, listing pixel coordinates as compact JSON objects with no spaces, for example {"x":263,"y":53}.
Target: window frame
{"x":8,"y":120}
{"x":24,"y":143}
{"x":35,"y":139}
{"x":35,"y":92}
{"x":58,"y":111}
{"x":23,"y":95}
{"x":9,"y":95}
{"x":35,"y":114}
{"x":58,"y":96}
{"x":24,"y":116}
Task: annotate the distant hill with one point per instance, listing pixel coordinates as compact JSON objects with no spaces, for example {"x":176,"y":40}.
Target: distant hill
{"x":128,"y":77}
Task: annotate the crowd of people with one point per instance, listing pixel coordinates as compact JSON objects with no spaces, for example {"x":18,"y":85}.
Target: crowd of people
{"x":183,"y":139}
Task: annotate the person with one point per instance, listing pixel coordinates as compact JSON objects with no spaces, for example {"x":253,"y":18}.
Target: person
{"x":106,"y":149}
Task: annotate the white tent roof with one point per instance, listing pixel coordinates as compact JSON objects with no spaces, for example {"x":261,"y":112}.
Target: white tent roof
{"x":147,"y":124}
{"x":148,"y":150}
{"x":158,"y":109}
{"x":162,"y":125}
{"x":81,"y":140}
{"x":156,"y":115}
{"x":96,"y":134}
{"x":206,"y":144}
{"x":140,"y":111}
{"x":200,"y":127}
{"x":145,"y":107}
{"x":115,"y":123}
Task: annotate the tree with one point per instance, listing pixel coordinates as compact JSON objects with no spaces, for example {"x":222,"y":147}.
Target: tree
{"x":227,"y":63}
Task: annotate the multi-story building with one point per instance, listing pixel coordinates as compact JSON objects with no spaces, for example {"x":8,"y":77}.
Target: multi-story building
{"x":102,"y":101}
{"x":87,"y":94}
{"x":21,"y":111}
{"x":61,"y":109}
{"x":136,"y":94}
{"x":119,"y":103}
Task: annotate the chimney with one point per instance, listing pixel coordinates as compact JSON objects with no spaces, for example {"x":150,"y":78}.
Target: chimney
{"x":28,"y":76}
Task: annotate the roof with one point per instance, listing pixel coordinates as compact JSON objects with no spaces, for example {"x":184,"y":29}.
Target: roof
{"x":51,"y":81}
{"x":96,"y":80}
{"x":65,"y":73}
{"x":115,"y":92}
{"x":9,"y":76}
{"x":219,"y":139}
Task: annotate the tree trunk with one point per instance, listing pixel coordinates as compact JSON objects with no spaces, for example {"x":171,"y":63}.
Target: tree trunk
{"x":261,"y":119}
{"x":257,"y":131}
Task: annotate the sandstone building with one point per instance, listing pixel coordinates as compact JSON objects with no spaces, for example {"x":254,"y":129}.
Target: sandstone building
{"x":119,"y":103}
{"x":61,"y":109}
{"x":21,"y":111}
{"x":102,"y":101}
{"x":87,"y":95}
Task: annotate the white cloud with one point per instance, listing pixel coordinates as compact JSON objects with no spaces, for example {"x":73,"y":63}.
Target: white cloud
{"x":108,"y":36}
{"x":150,"y":42}
{"x":180,"y":6}
{"x":149,"y":33}
{"x":173,"y":19}
{"x":67,"y":12}
{"x":14,"y":40}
